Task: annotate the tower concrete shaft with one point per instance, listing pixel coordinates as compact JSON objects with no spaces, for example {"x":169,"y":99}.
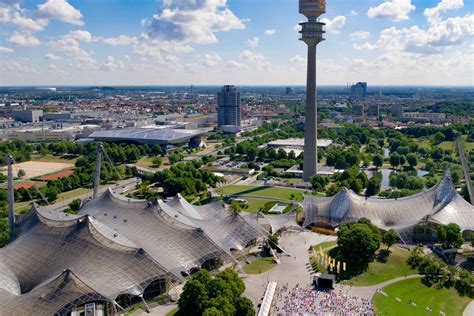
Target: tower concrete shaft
{"x":310,"y":128}
{"x":11,"y":195}
{"x":312,"y":34}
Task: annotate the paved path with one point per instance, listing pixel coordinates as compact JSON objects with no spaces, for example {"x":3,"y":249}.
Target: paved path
{"x":368,"y":292}
{"x":469,"y":310}
{"x":292,"y":270}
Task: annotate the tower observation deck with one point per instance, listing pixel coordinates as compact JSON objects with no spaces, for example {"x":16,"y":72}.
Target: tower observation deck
{"x":312,"y":34}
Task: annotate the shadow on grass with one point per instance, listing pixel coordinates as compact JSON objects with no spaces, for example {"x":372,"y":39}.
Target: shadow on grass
{"x":246,"y":192}
{"x":383,"y":255}
{"x":353,"y":268}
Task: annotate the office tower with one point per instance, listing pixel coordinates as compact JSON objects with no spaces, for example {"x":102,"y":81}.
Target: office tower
{"x":312,"y":34}
{"x":359,"y":90}
{"x":228,"y":112}
{"x":289,"y":91}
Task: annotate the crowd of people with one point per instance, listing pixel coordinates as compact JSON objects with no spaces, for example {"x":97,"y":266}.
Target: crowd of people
{"x":341,"y":303}
{"x":302,"y":301}
{"x":299,"y":301}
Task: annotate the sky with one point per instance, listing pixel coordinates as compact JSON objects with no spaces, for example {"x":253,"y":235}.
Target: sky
{"x":242,"y":42}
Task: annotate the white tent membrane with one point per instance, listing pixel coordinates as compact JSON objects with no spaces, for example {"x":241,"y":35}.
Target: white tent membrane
{"x":114,"y":246}
{"x":441,"y":204}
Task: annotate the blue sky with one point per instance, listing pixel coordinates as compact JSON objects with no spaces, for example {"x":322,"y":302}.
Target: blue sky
{"x":244,"y":42}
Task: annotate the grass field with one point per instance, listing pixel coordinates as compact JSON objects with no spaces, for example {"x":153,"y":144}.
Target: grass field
{"x":53,"y":158}
{"x":426,"y":143}
{"x":445,"y":300}
{"x":146,"y":162}
{"x":261,"y":191}
{"x":378,"y":272}
{"x":259,"y":265}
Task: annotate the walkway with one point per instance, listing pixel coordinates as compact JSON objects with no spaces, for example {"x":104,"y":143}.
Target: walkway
{"x":368,"y":292}
{"x":469,"y":310}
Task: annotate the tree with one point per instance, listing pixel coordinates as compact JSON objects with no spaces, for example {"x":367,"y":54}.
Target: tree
{"x":373,"y":187}
{"x":157,"y":161}
{"x":194,"y":298}
{"x":377,"y":160}
{"x":450,"y":235}
{"x":174,"y":158}
{"x":21,"y":173}
{"x":438,"y":138}
{"x":358,"y":241}
{"x":52,"y":194}
{"x":235,"y":207}
{"x":75,"y":205}
{"x":394,"y":160}
{"x":389,"y":238}
{"x":244,"y":307}
{"x":412,"y":160}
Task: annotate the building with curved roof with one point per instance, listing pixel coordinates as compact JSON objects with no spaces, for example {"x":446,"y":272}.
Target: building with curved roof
{"x":440,"y":204}
{"x":115,"y":246}
{"x":149,"y":136}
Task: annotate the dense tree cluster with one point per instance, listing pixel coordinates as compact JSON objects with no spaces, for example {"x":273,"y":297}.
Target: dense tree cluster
{"x":217,"y":296}
{"x":187,"y":178}
{"x":436,"y":272}
{"x":20,"y":151}
{"x":358,"y":241}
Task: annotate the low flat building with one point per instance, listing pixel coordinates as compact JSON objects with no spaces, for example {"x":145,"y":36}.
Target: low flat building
{"x":39,"y":134}
{"x":298,"y":143}
{"x":27,"y":116}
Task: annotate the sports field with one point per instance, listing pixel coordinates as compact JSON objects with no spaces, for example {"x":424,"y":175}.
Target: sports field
{"x":35,"y":169}
{"x":262,"y":191}
{"x":411,"y":297}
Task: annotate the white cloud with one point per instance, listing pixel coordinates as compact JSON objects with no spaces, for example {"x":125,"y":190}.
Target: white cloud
{"x":50,"y":56}
{"x":25,"y":39}
{"x":270,"y":32}
{"x":70,"y":44}
{"x":60,"y":10}
{"x":301,"y":61}
{"x":193,"y":21}
{"x":359,"y":35}
{"x":353,"y":13}
{"x":432,"y":14}
{"x":235,"y":65}
{"x":30,"y":25}
{"x":210,"y":60}
{"x":254,"y":60}
{"x":5,"y":50}
{"x":335,"y":25}
{"x":297,"y":28}
{"x":395,"y":10}
{"x":253,"y":42}
{"x":120,"y":40}
{"x":111,"y":64}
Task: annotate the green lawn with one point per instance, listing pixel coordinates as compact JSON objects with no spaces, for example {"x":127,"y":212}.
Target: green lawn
{"x":379,"y":272}
{"x":53,"y":158}
{"x":445,"y":300}
{"x":262,"y":191}
{"x":259,"y":265}
{"x":325,"y":245}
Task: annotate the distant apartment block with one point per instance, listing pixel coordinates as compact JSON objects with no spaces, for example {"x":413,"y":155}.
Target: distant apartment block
{"x":27,"y":116}
{"x":374,"y":110}
{"x":228,"y":112}
{"x":358,"y":110}
{"x":359,"y":90}
{"x":397,"y":110}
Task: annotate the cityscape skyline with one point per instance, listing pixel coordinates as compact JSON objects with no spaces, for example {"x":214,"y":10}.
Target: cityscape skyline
{"x":170,"y":42}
